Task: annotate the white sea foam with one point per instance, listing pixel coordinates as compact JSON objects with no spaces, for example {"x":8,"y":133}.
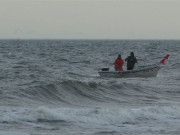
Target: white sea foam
{"x":93,"y":116}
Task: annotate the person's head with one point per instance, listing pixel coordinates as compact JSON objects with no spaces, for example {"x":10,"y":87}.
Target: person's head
{"x":119,"y":56}
{"x":132,"y":54}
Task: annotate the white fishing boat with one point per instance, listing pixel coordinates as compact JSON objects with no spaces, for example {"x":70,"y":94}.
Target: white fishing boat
{"x":150,"y":71}
{"x":147,"y":71}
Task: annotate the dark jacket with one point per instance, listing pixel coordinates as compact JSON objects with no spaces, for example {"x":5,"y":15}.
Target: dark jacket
{"x":131,"y":60}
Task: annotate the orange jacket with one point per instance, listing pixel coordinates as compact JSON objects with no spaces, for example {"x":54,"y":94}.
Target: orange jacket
{"x":118,"y":64}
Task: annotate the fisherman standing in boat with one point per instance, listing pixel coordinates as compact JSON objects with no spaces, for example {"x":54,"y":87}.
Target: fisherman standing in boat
{"x":131,"y":60}
{"x":118,"y":64}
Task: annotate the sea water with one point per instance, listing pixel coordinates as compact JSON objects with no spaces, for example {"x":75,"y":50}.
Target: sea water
{"x":52,"y":87}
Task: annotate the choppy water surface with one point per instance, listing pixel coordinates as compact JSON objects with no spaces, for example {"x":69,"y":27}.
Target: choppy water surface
{"x":52,"y":87}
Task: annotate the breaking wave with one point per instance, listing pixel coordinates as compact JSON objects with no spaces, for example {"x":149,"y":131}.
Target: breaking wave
{"x":81,"y":93}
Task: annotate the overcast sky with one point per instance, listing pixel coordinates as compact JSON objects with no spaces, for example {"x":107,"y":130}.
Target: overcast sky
{"x":90,"y":19}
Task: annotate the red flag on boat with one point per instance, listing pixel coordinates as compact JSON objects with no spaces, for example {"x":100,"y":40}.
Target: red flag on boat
{"x":165,"y":58}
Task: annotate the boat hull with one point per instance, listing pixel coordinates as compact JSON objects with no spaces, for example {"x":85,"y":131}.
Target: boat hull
{"x":151,"y":71}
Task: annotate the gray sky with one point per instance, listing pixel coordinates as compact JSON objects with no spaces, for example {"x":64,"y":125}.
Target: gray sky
{"x":90,"y":19}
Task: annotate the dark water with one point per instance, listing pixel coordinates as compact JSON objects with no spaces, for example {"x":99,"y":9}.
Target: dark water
{"x":52,"y":87}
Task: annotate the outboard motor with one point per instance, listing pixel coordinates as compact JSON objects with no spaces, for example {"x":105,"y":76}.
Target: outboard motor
{"x":104,"y":69}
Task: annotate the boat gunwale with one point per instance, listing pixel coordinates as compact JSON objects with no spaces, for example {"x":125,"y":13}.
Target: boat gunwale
{"x":132,"y":71}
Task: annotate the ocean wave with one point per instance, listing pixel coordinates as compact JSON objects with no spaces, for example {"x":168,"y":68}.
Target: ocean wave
{"x":94,"y":116}
{"x":90,"y":93}
{"x":82,"y":93}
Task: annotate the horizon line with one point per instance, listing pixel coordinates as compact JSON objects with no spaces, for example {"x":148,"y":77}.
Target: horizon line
{"x":80,"y":39}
